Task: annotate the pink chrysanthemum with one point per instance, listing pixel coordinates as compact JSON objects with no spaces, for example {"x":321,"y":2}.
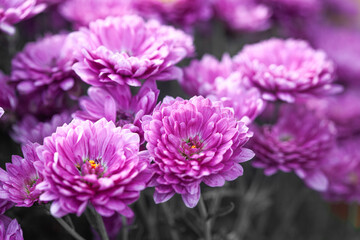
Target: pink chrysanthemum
{"x":10,"y":229}
{"x":246,"y":15}
{"x":183,"y":13}
{"x":221,"y":81}
{"x":42,"y":73}
{"x":193,"y":141}
{"x":13,"y":11}
{"x":342,"y":109}
{"x":125,"y":49}
{"x":342,"y":169}
{"x":92,"y":163}
{"x":117,"y":104}
{"x":342,"y":45}
{"x":82,"y":12}
{"x":297,"y":142}
{"x":21,"y":178}
{"x":287,"y":69}
{"x":29,"y":129}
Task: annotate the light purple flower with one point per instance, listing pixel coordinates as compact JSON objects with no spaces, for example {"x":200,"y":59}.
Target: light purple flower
{"x":21,"y":178}
{"x":42,"y":73}
{"x":342,"y":109}
{"x":221,"y":81}
{"x":116,"y":104}
{"x":82,"y":12}
{"x":7,"y":93}
{"x":13,"y":11}
{"x":342,"y":169}
{"x":200,"y":76}
{"x":245,"y":15}
{"x":30,"y":129}
{"x":10,"y":229}
{"x":342,"y":45}
{"x":183,"y":13}
{"x":125,"y":49}
{"x":287,"y":69}
{"x":194,"y":141}
{"x":297,"y":142}
{"x":92,"y":163}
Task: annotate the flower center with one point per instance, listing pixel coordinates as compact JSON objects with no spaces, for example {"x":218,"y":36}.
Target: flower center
{"x":191,"y":147}
{"x":90,"y":166}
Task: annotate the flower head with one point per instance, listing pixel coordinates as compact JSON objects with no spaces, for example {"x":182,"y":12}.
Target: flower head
{"x":10,"y":229}
{"x":219,"y":80}
{"x":245,"y":15}
{"x":82,"y":12}
{"x":287,"y":69}
{"x":29,"y":129}
{"x":183,"y":13}
{"x":193,"y":141}
{"x":12,"y":12}
{"x":125,"y":49}
{"x":92,"y":163}
{"x":42,"y":74}
{"x":297,"y":142}
{"x":21,"y":178}
{"x":117,"y":104}
{"x":342,"y":169}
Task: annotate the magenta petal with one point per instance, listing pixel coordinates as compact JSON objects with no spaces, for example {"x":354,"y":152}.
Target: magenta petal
{"x":214,"y":180}
{"x":191,"y":200}
{"x":162,"y":197}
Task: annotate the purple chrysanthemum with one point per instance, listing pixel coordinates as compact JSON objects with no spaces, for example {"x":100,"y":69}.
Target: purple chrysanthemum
{"x":246,"y":15}
{"x":7,"y":94}
{"x":342,"y":45}
{"x":297,"y":142}
{"x":342,"y":169}
{"x":116,"y":103}
{"x":42,"y":73}
{"x":92,"y":163}
{"x":82,"y":12}
{"x":13,"y":11}
{"x":29,"y":129}
{"x":342,"y":109}
{"x":193,"y":141}
{"x":21,"y":178}
{"x":183,"y":13}
{"x":125,"y":49}
{"x":287,"y":69}
{"x":10,"y":229}
{"x":221,"y":81}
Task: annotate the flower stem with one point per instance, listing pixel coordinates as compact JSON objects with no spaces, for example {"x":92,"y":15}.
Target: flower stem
{"x":352,"y":213}
{"x":69,"y":229}
{"x":96,"y":222}
{"x":125,"y":232}
{"x":204,"y":215}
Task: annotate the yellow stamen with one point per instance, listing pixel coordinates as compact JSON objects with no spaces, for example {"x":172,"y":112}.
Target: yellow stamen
{"x":93,"y":164}
{"x":193,"y":146}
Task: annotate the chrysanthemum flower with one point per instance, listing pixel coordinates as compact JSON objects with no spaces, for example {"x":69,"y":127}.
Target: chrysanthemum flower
{"x":297,"y":142}
{"x":342,"y":109}
{"x":183,"y":13}
{"x":42,"y":73}
{"x":125,"y":49}
{"x":7,"y":93}
{"x":20,"y":179}
{"x":219,"y":80}
{"x":245,"y":15}
{"x":193,"y":141}
{"x":92,"y":163}
{"x":287,"y":69}
{"x":342,"y":169}
{"x":12,"y":12}
{"x":117,"y":104}
{"x":10,"y":229}
{"x":82,"y":12}
{"x":30,"y":129}
{"x":342,"y":45}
